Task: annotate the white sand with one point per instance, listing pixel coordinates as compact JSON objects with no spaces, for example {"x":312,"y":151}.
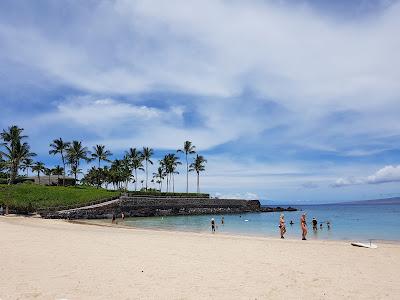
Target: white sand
{"x":49,"y":259}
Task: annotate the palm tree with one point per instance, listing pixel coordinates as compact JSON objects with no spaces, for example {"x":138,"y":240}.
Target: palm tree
{"x":160,"y":175}
{"x":16,"y":150}
{"x":136,"y":160}
{"x":100,"y":154}
{"x":188,"y":148}
{"x":75,"y":153}
{"x":26,"y":163}
{"x":48,"y":172}
{"x":58,"y":170}
{"x":38,"y":167}
{"x":170,"y":163}
{"x":147,"y":154}
{"x":198,"y":166}
{"x":59,"y":146}
{"x":75,"y":171}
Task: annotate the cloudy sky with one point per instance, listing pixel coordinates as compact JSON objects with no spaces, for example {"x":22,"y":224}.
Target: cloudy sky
{"x":295,"y":101}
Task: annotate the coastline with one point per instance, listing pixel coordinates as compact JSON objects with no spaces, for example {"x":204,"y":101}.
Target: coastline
{"x":51,"y":259}
{"x":222,"y":234}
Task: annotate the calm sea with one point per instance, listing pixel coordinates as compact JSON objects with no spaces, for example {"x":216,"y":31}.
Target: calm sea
{"x":348,"y":222}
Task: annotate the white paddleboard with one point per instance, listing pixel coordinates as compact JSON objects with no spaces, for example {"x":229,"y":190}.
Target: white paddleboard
{"x":365,"y":245}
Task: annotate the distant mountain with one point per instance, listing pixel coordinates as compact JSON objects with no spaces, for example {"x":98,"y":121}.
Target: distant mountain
{"x":395,"y":200}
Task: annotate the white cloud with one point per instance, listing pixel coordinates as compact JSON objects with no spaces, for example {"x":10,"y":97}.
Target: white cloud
{"x":341,"y":182}
{"x":386,"y":174}
{"x":245,"y":196}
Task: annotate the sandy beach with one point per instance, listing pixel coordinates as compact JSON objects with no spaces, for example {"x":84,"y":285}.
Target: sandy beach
{"x":54,"y":259}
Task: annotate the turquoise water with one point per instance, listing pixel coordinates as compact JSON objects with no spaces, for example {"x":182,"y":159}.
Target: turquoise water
{"x":348,"y":222}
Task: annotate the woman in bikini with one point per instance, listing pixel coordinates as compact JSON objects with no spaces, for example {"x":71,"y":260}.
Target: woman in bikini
{"x":303,"y":224}
{"x":282,"y":226}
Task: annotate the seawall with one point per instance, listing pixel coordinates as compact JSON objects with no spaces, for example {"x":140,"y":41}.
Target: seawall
{"x":144,"y":206}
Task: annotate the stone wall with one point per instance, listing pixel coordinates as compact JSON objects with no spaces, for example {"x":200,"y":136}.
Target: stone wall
{"x":159,"y":206}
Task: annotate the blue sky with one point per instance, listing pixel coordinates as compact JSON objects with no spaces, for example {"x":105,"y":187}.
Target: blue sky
{"x":296,"y":101}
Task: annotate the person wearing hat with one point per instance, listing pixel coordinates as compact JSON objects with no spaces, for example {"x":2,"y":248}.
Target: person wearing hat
{"x":303,"y":224}
{"x":212,"y":225}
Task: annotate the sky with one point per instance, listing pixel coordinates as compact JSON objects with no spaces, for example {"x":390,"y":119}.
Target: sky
{"x":290,"y":101}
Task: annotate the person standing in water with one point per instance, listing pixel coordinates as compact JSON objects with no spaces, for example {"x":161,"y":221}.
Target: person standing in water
{"x":314,"y":224}
{"x":303,"y":224}
{"x":282,"y":226}
{"x":212,"y":225}
{"x":222,"y":220}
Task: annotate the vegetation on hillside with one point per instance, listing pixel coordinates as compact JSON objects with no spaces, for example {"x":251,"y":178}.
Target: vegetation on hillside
{"x":32,"y":197}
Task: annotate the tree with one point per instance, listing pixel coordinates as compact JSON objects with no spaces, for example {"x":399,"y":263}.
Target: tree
{"x":170,"y":163}
{"x":39,"y":168}
{"x":188,"y":148}
{"x":15,"y":150}
{"x":159,"y":175}
{"x":198,"y":166}
{"x":48,"y":172}
{"x":75,"y":171}
{"x":136,"y":161}
{"x":61,"y":147}
{"x":26,"y":163}
{"x":147,"y":154}
{"x":58,"y":170}
{"x":75,"y":153}
{"x":100,"y":154}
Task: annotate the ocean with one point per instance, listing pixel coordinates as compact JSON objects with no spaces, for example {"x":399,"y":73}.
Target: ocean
{"x":348,"y":222}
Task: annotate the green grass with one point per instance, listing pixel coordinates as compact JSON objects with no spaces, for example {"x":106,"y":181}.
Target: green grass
{"x":31,"y":197}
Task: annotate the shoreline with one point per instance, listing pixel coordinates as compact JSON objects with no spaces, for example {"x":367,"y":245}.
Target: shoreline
{"x":268,"y":237}
{"x":58,"y":259}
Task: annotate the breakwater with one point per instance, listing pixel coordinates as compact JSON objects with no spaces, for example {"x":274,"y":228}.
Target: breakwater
{"x":143,"y":206}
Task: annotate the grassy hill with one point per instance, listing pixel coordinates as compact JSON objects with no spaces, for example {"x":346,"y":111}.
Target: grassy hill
{"x":31,"y":197}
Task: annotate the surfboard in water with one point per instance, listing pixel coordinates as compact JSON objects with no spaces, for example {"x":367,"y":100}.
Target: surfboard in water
{"x":365,"y":245}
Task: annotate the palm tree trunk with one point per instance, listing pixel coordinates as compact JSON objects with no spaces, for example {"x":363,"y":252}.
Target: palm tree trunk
{"x":146,"y":173}
{"x":173,"y":183}
{"x":38,"y":173}
{"x":198,"y":182}
{"x":63,"y":161}
{"x":187,"y":175}
{"x":136,"y":179}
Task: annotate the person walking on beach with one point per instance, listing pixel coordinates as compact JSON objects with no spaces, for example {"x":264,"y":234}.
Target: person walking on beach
{"x":282,"y":226}
{"x":122,"y":216}
{"x":212,"y":225}
{"x":113,"y":219}
{"x":303,"y":224}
